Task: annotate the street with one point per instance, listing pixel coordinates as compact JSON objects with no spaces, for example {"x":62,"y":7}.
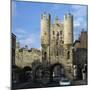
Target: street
{"x":39,"y":84}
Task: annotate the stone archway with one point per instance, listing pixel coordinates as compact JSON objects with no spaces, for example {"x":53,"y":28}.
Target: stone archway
{"x":27,"y":68}
{"x":60,"y":70}
{"x":45,"y":55}
{"x":27,"y":73}
{"x":37,"y":72}
{"x":41,"y":74}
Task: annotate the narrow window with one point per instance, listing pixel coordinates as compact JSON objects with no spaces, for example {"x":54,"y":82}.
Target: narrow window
{"x":53,"y":33}
{"x":45,"y":55}
{"x":57,"y":53}
{"x":68,"y":55}
{"x":62,"y":42}
{"x":61,"y":32}
{"x":57,"y":33}
{"x":56,"y":43}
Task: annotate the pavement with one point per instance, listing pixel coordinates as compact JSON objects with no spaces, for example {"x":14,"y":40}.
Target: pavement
{"x":38,"y":84}
{"x":80,"y":82}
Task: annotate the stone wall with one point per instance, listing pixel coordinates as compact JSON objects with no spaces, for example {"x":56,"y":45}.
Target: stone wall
{"x":26,"y":57}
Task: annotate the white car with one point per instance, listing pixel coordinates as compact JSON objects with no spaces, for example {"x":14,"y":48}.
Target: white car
{"x":64,"y":82}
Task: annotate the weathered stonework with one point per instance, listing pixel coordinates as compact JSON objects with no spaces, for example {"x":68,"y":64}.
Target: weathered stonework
{"x":57,"y":40}
{"x":25,"y":57}
{"x":56,"y":44}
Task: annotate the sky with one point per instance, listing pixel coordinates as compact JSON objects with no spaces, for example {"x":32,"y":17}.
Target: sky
{"x":26,"y":19}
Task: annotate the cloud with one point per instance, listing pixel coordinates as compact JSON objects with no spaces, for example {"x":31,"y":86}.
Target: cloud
{"x":31,"y":40}
{"x":20,"y":33}
{"x":79,"y":10}
{"x":76,"y":24}
{"x":40,"y":48}
{"x":80,"y":19}
{"x":80,"y":14}
{"x":27,"y":41}
{"x":27,"y":37}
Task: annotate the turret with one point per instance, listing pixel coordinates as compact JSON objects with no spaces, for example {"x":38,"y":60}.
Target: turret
{"x":45,"y":29}
{"x":17,"y":46}
{"x":45,"y":36}
{"x":68,"y":29}
{"x":68,"y":43}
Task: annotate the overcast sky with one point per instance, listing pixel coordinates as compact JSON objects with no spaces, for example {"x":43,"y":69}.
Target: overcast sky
{"x":26,"y":19}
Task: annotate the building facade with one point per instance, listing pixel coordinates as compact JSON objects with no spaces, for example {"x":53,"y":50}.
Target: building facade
{"x":25,"y":57}
{"x":80,"y":50}
{"x":56,"y":47}
{"x":57,"y":40}
{"x":80,"y":55}
{"x":83,"y":39}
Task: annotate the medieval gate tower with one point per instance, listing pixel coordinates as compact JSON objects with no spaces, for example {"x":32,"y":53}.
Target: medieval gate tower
{"x":45,"y":37}
{"x":57,"y":40}
{"x":68,"y":41}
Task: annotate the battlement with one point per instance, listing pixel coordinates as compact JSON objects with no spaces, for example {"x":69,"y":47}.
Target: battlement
{"x":68,"y":15}
{"x":45,"y":16}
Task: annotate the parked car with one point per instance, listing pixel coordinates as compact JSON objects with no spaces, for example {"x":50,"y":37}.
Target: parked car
{"x":64,"y":82}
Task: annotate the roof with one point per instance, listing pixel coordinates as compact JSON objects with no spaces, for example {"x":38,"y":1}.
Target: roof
{"x":76,"y":41}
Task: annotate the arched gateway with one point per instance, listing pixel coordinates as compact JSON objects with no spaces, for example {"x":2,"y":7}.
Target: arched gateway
{"x":27,"y":71}
{"x":56,"y":70}
{"x":45,"y":74}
